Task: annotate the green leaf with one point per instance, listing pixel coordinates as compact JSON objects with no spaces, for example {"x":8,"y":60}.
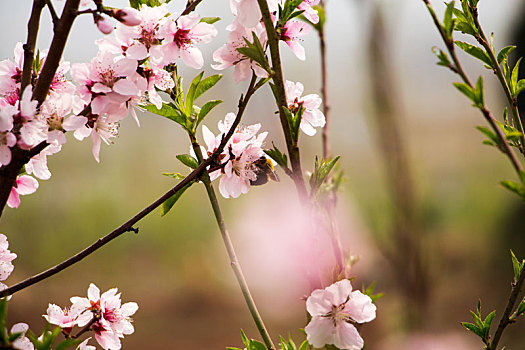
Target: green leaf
{"x":521,"y":308}
{"x":50,"y":337}
{"x":278,"y":156}
{"x":489,"y":133}
{"x":210,"y":20}
{"x":448,"y":23}
{"x":471,"y":327}
{"x":486,"y":325}
{"x":465,"y":28}
{"x":190,"y":95}
{"x":522,"y":177}
{"x":504,"y":52}
{"x":474,"y":51}
{"x":480,"y":101}
{"x":208,"y":106}
{"x":68,"y":343}
{"x":321,"y":171}
{"x":514,"y":78}
{"x":466,"y":90}
{"x":255,"y":52}
{"x":188,"y":160}
{"x":168,"y":111}
{"x":304,"y":345}
{"x":442,"y":57}
{"x":520,"y":86}
{"x":517,"y":266}
{"x":514,"y":187}
{"x":206,"y":84}
{"x":170,"y":202}
{"x":177,"y":176}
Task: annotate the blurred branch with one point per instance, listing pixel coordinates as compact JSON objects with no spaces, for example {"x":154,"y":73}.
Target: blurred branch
{"x":406,"y":253}
{"x":324,"y":88}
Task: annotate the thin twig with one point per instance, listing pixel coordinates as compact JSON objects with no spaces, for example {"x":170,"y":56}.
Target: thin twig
{"x":29,"y":47}
{"x":486,"y":113}
{"x":324,"y":89}
{"x":190,"y":6}
{"x":55,"y":50}
{"x":277,"y":78}
{"x":54,"y":16}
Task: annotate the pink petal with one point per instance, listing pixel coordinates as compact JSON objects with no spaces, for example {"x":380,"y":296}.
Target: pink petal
{"x":14,"y":199}
{"x":360,"y":307}
{"x":297,"y":49}
{"x":319,"y":331}
{"x":192,"y":57}
{"x":26,"y":185}
{"x":126,"y":87}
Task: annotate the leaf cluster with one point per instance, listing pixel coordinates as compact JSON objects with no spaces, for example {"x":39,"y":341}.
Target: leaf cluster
{"x":182,"y":110}
{"x":288,"y":11}
{"x":255,"y":52}
{"x":252,"y":344}
{"x":322,"y":169}
{"x":480,"y":327}
{"x":151,"y":3}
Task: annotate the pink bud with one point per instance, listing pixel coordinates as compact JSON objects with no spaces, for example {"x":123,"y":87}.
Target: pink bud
{"x":128,"y":16}
{"x":103,"y":24}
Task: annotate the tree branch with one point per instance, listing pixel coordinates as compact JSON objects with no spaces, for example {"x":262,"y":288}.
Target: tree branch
{"x":29,"y":47}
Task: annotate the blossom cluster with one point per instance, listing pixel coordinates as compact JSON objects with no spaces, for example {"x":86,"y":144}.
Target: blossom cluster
{"x":103,"y":314}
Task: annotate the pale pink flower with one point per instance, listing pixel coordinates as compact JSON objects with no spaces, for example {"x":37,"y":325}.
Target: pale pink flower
{"x":248,"y":12}
{"x":115,"y":319}
{"x":64,"y":318}
{"x":23,"y":185}
{"x":180,"y":37}
{"x":128,"y":16}
{"x":103,"y":24}
{"x":332,"y":310}
{"x":7,"y":140}
{"x":84,"y":345}
{"x":138,"y":42}
{"x":11,"y":72}
{"x":22,"y":342}
{"x":33,"y":130}
{"x":309,"y":13}
{"x":7,"y":112}
{"x":312,"y":115}
{"x":291,"y":33}
{"x":37,"y":165}
{"x":6,"y":258}
{"x":227,"y":55}
{"x":157,"y":78}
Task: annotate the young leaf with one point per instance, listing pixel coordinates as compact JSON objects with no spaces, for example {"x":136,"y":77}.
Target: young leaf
{"x":208,"y":106}
{"x":489,"y":133}
{"x":479,"y":92}
{"x":514,"y":187}
{"x":473,"y":328}
{"x":170,"y":202}
{"x":206,"y":84}
{"x":474,"y":51}
{"x":210,"y":20}
{"x":188,"y":160}
{"x":278,"y":156}
{"x":3,"y":321}
{"x":448,"y":23}
{"x":520,"y":86}
{"x":168,"y":111}
{"x":516,"y":265}
{"x":177,"y":176}
{"x":68,"y":343}
{"x":504,"y":52}
{"x":304,"y":345}
{"x":521,"y":308}
{"x":190,"y":95}
{"x":442,"y":57}
{"x":514,"y":78}
{"x":466,"y":90}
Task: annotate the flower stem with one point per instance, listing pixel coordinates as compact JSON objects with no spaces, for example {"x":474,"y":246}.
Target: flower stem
{"x":234,"y":262}
{"x":280,"y":99}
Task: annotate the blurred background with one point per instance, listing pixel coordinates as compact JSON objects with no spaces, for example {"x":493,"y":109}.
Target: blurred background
{"x":422,"y":206}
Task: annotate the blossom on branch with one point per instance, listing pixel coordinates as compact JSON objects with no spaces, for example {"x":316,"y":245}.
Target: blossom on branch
{"x":23,"y":185}
{"x":335,"y":310}
{"x":312,"y":115}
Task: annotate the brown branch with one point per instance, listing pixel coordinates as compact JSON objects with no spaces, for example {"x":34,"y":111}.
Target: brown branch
{"x":55,"y":50}
{"x":29,"y":47}
{"x":505,"y":318}
{"x":280,"y":99}
{"x":324,"y":90}
{"x":190,"y":6}
{"x":54,"y":16}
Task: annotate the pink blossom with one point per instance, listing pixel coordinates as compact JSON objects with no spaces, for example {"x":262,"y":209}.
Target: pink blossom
{"x":309,"y":12}
{"x":33,"y":130}
{"x":312,"y":115}
{"x":11,"y":73}
{"x":84,"y":345}
{"x":114,"y":320}
{"x":103,"y":24}
{"x":292,"y":31}
{"x":6,"y":258}
{"x":227,"y":55}
{"x":22,"y":342}
{"x":239,"y":157}
{"x":248,"y":12}
{"x":37,"y":165}
{"x":180,"y":37}
{"x":128,"y":16}
{"x":157,"y":78}
{"x":64,"y":318}
{"x":23,"y":185}
{"x":7,"y":140}
{"x":332,"y":310}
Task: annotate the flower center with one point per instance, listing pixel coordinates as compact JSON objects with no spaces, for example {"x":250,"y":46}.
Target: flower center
{"x":182,"y":37}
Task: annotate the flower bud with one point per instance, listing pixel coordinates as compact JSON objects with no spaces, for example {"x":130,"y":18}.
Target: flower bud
{"x":103,"y":24}
{"x":128,"y":16}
